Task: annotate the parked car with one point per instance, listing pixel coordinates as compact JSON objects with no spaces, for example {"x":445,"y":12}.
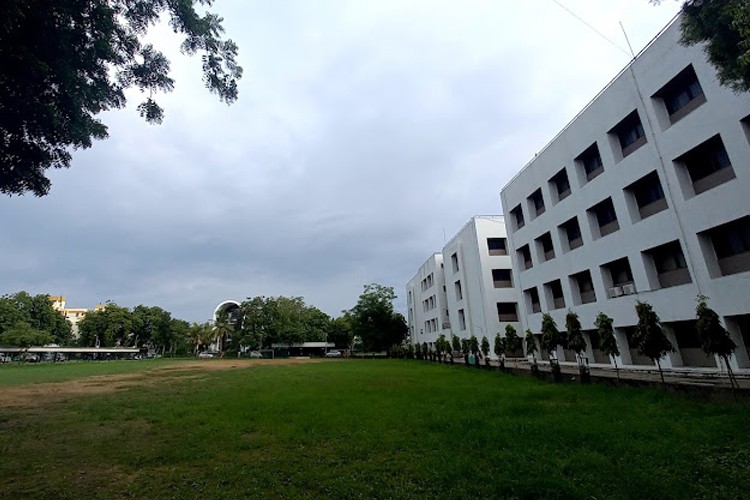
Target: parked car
{"x":255,"y":354}
{"x":333,"y":354}
{"x":30,"y":357}
{"x":206,"y":355}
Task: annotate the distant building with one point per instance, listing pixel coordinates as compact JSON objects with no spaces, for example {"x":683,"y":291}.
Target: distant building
{"x":467,"y":289}
{"x":73,"y":315}
{"x":642,"y":197}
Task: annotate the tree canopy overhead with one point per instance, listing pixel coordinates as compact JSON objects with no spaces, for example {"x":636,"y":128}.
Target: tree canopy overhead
{"x":724,"y":25}
{"x":62,"y":62}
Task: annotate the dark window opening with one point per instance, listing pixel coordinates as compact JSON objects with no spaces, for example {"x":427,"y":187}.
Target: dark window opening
{"x":502,"y":278}
{"x":708,"y":165}
{"x":591,"y":162}
{"x":507,"y":312}
{"x":537,"y":202}
{"x":649,"y":195}
{"x":630,"y":133}
{"x":545,"y":246}
{"x":682,"y":94}
{"x":561,"y":184}
{"x":532,"y":297}
{"x":669,"y":262}
{"x":585,"y":286}
{"x":621,"y":277}
{"x":731,"y":242}
{"x":517,"y":214}
{"x":497,"y":246}
{"x":524,"y":255}
{"x":606,"y":218}
{"x":556,"y":292}
{"x":572,"y":231}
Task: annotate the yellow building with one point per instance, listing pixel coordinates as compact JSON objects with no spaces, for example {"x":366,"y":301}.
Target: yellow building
{"x":72,"y":314}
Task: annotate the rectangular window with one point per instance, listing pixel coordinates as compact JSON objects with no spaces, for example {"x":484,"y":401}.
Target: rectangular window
{"x":546,"y":250}
{"x":517,"y":214}
{"x":524,"y":255}
{"x":454,"y":262}
{"x":649,"y":195}
{"x":585,"y":285}
{"x":461,"y":320}
{"x":497,"y":246}
{"x":459,"y":292}
{"x":532,"y":300}
{"x":629,"y":133}
{"x":670,"y":265}
{"x":560,"y":185}
{"x":571,"y":231}
{"x":731,"y":243}
{"x":682,"y":94}
{"x":507,"y":312}
{"x":502,"y":278}
{"x":707,"y":165}
{"x":591,"y":162}
{"x":605,"y":216}
{"x":621,"y":278}
{"x":536,"y":203}
{"x":554,"y":289}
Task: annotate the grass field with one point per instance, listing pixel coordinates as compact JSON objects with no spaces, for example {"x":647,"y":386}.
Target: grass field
{"x":351,"y":429}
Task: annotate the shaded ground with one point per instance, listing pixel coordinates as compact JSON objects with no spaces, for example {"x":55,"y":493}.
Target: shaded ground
{"x":31,"y":395}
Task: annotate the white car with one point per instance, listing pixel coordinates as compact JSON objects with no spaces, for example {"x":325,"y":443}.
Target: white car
{"x":333,"y":354}
{"x":206,"y":355}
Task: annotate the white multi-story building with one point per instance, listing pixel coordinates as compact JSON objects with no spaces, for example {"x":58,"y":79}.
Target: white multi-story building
{"x":642,"y":197}
{"x":467,"y":289}
{"x":425,"y":295}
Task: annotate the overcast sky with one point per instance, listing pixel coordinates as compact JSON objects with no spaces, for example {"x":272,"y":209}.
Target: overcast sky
{"x":365,"y":135}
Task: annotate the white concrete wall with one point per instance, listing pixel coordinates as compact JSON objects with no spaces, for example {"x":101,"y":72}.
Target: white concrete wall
{"x":480,"y":297}
{"x":688,"y":214}
{"x":417,"y":316}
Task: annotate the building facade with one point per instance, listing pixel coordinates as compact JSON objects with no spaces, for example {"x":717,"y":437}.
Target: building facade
{"x":642,"y":197}
{"x":72,"y":314}
{"x":467,"y":289}
{"x":427,"y":315}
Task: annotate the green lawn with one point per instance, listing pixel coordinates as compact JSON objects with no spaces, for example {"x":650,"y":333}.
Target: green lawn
{"x":17,"y":374}
{"x":385,"y":429}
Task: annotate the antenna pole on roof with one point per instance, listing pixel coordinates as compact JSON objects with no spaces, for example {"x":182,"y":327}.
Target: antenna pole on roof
{"x":627,"y":40}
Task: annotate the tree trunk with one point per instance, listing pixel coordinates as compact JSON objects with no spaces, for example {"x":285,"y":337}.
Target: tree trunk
{"x":661,"y":373}
{"x":732,"y":380}
{"x":617,"y":370}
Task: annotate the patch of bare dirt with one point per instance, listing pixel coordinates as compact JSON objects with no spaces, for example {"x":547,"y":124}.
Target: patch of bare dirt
{"x":32,"y":395}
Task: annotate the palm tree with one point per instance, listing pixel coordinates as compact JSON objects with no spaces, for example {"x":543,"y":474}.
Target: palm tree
{"x":222,"y":330}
